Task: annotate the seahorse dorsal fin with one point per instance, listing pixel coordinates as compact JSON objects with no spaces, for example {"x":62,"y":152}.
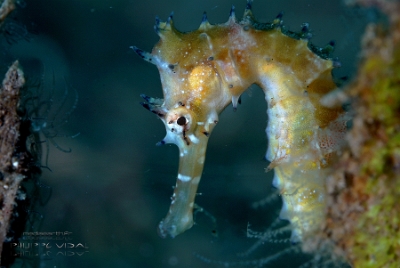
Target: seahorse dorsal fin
{"x":248,"y":6}
{"x":248,"y":17}
{"x":204,"y":25}
{"x":164,"y":28}
{"x":232,"y":16}
{"x":278,"y":19}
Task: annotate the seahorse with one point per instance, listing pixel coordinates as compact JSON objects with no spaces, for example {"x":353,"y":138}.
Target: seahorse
{"x":205,"y":70}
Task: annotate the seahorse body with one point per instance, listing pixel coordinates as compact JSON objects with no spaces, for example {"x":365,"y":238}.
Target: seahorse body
{"x":204,"y":71}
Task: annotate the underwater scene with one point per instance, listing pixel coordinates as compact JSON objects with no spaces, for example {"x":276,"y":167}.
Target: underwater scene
{"x":104,"y":178}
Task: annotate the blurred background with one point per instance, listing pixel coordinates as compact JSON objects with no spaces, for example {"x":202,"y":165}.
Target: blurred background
{"x":110,"y":192}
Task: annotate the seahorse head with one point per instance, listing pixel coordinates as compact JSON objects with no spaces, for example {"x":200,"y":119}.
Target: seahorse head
{"x":194,"y":91}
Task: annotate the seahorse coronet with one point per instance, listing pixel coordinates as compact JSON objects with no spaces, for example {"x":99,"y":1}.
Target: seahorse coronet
{"x":205,"y":70}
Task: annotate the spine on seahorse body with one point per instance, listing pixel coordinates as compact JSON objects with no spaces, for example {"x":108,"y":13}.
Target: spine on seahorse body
{"x":204,"y":71}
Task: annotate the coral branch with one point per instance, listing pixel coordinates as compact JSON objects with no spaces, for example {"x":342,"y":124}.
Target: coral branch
{"x":10,"y":159}
{"x":6,"y":8}
{"x":363,"y":214}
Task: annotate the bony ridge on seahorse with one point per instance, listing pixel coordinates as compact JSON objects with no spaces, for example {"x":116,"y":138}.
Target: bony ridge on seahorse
{"x":203,"y":71}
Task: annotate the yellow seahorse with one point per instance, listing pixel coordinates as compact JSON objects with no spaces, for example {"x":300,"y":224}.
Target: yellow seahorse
{"x":203,"y":71}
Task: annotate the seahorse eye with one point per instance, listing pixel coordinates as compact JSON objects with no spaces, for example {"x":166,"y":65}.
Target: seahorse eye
{"x":181,"y":121}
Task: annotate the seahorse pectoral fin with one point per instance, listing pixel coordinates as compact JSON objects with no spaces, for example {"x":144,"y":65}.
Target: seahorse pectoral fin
{"x":180,"y":215}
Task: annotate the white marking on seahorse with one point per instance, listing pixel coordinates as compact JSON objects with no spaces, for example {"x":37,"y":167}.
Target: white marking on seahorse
{"x":183,"y":177}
